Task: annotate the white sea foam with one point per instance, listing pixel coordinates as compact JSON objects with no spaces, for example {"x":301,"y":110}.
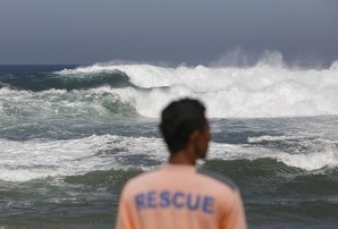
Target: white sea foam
{"x":22,"y":161}
{"x":56,"y":103}
{"x":327,"y":158}
{"x":311,"y":161}
{"x":264,"y":90}
{"x":268,"y":138}
{"x":40,"y":158}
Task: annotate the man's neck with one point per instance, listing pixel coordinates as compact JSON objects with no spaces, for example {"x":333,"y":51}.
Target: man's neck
{"x":181,"y":158}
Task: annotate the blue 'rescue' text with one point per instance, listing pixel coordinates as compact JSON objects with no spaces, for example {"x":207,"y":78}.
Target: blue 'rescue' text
{"x":178,"y":200}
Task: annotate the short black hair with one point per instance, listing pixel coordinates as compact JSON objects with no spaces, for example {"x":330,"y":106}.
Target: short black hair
{"x":179,"y":119}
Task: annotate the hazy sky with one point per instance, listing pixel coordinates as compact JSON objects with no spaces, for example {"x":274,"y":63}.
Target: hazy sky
{"x":191,"y":31}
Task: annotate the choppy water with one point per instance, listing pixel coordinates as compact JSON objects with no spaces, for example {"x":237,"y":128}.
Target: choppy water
{"x":71,"y":136}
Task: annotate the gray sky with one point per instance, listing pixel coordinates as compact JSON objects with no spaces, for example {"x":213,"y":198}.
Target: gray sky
{"x":190,"y":31}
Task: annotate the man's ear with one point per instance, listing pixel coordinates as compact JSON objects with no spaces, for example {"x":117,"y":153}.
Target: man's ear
{"x":192,"y":143}
{"x":194,"y":136}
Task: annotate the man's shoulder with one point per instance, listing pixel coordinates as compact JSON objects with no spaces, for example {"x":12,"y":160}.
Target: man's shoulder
{"x":219,"y":178}
{"x":140,"y":179}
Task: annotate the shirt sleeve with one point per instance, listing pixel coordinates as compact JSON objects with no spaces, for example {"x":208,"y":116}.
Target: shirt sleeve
{"x":234,"y":217}
{"x":124,"y":216}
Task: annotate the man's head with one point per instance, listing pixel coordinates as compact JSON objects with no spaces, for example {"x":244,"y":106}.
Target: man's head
{"x":185,"y":128}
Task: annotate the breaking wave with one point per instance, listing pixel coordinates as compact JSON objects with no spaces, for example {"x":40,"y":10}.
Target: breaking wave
{"x":264,"y":90}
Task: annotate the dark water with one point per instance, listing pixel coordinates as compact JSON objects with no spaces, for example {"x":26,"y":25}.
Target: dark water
{"x":69,"y":142}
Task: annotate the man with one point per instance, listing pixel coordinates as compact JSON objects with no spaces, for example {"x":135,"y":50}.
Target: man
{"x":178,"y":195}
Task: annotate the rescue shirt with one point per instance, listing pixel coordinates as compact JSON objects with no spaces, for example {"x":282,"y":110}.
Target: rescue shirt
{"x":180,"y":197}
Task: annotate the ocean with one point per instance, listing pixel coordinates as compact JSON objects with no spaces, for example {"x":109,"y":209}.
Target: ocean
{"x":71,"y":136}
